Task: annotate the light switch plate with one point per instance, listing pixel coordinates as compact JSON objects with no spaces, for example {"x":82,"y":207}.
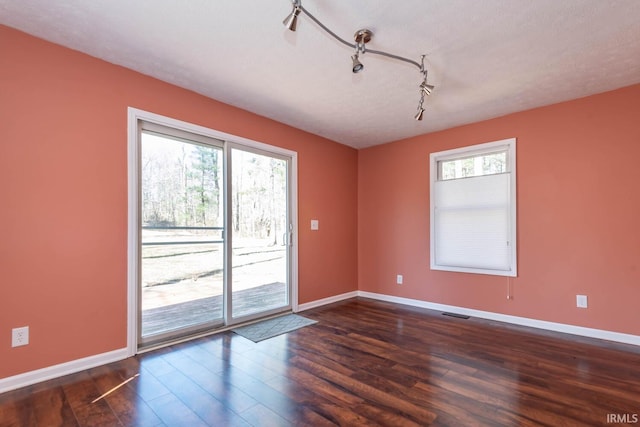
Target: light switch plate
{"x":314,"y":224}
{"x":581,"y":301}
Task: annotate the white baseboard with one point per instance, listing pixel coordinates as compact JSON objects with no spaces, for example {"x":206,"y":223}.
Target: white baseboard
{"x":32,"y":377}
{"x":325,"y":301}
{"x":523,"y":321}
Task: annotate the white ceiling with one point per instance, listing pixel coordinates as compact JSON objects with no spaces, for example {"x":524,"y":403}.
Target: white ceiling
{"x":487,"y":58}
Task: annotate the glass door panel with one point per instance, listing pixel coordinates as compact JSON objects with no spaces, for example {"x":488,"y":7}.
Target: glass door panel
{"x":182,"y":246}
{"x":260,"y":234}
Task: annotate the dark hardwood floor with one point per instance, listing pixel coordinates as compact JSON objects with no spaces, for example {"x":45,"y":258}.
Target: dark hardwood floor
{"x":364,"y":363}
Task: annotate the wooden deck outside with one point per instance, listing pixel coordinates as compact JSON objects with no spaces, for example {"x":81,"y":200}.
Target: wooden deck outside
{"x":209,"y":309}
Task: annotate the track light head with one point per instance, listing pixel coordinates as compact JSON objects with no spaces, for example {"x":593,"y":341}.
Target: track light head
{"x":419,"y":114}
{"x":361,"y":38}
{"x":357,"y":65}
{"x":426,"y":88}
{"x":291,"y":21}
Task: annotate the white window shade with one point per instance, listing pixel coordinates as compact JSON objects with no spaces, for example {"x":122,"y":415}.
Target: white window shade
{"x":472,"y":223}
{"x":473,"y":209}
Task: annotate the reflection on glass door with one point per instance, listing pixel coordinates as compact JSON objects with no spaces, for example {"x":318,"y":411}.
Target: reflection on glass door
{"x":260,"y":234}
{"x":182,"y":246}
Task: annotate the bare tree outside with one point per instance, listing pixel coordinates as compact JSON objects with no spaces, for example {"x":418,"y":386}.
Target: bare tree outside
{"x":259,"y":194}
{"x":182,"y":217}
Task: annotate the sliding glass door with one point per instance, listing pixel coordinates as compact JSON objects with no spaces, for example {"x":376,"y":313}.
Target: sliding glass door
{"x":182,"y":246}
{"x":214,"y":233}
{"x":259,"y":233}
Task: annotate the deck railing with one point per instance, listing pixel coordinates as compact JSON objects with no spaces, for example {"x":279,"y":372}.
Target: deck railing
{"x":183,"y":242}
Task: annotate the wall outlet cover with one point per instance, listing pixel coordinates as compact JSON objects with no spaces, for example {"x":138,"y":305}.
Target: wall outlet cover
{"x":19,"y":336}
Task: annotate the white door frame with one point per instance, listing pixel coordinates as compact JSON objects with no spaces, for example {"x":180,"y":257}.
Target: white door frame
{"x":135,"y":116}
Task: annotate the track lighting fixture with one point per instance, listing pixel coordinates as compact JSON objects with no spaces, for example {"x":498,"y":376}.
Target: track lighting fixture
{"x":357,"y":65}
{"x":361,"y":38}
{"x":426,"y":88}
{"x":291,"y":21}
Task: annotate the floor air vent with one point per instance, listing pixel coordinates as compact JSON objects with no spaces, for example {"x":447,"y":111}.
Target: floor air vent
{"x":459,"y":316}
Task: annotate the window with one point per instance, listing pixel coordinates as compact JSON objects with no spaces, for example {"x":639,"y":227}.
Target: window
{"x":473,"y":209}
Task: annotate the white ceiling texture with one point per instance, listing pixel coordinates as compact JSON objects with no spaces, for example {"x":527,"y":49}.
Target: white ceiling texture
{"x":487,"y":58}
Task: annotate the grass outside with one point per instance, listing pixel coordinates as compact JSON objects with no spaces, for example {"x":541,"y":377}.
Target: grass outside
{"x":172,"y":274}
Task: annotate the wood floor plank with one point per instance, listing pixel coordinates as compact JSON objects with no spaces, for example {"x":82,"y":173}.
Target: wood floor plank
{"x":82,"y":395}
{"x":330,"y":402}
{"x":262,"y":416}
{"x":217,"y":385}
{"x":209,"y":409}
{"x":16,"y":414}
{"x":52,"y":408}
{"x":265,"y":395}
{"x":364,"y":363}
{"x":123,"y":400}
{"x":173,"y":412}
{"x":373,"y":394}
{"x":147,"y":386}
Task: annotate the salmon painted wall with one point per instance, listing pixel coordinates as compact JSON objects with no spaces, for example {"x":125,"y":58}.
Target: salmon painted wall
{"x":578,"y":173}
{"x":63,"y":192}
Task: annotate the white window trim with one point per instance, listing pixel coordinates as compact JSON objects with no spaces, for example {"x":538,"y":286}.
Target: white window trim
{"x":465,"y":152}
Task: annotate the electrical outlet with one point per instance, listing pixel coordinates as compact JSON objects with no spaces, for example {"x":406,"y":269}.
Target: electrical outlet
{"x":19,"y":336}
{"x":581,"y":301}
{"x":399,"y":279}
